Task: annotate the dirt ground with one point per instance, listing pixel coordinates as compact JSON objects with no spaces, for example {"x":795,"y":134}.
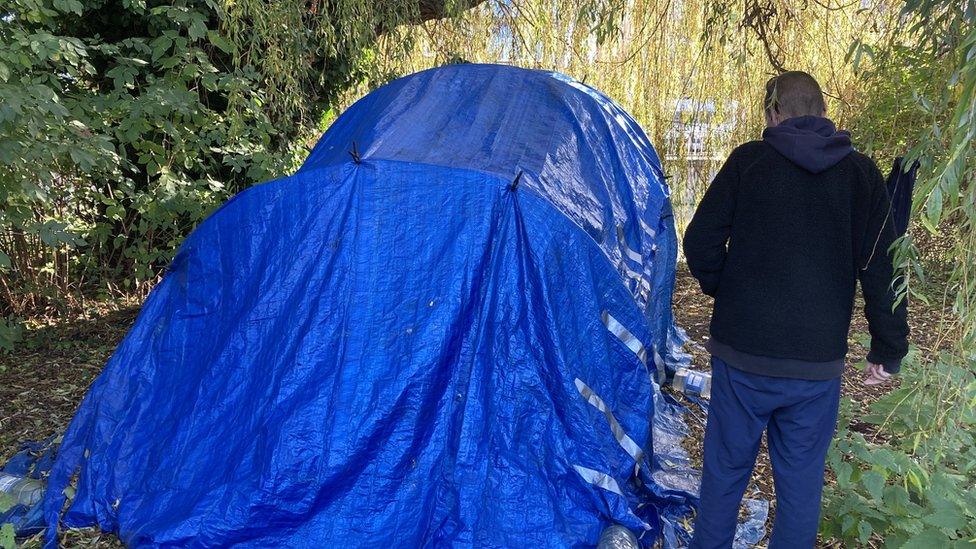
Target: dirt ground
{"x":43,"y":382}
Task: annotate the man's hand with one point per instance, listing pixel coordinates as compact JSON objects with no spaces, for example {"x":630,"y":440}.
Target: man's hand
{"x":874,"y":374}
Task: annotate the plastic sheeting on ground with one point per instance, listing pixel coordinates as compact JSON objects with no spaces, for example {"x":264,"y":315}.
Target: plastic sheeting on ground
{"x":34,"y":460}
{"x":447,"y":328}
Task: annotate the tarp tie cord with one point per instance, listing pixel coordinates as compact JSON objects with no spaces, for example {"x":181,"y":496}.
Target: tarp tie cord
{"x":514,"y":185}
{"x":355,"y":154}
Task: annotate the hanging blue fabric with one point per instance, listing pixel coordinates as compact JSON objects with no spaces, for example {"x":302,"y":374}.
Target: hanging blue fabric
{"x":901,"y":184}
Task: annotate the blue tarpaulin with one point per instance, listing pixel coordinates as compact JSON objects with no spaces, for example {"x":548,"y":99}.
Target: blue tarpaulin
{"x":446,"y":328}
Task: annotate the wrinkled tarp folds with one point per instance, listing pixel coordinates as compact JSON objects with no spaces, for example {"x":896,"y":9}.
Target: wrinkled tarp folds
{"x":446,"y":328}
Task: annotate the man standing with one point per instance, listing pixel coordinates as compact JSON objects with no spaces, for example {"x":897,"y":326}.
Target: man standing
{"x":780,"y":239}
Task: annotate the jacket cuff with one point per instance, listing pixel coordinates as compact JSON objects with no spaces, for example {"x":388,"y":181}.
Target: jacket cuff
{"x":892,"y":366}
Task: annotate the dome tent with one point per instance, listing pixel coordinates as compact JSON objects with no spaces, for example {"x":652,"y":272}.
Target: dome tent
{"x":446,"y":328}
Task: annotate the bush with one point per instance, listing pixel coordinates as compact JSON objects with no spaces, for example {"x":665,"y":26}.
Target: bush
{"x":906,"y":472}
{"x":121,"y":127}
{"x":11,"y":333}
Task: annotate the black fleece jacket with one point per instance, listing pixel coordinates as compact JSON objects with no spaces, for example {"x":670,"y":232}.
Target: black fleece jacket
{"x":780,"y":239}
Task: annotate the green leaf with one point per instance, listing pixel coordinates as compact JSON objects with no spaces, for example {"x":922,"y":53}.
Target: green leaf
{"x":68,"y":6}
{"x":843,"y":473}
{"x":948,"y":520}
{"x":874,"y":483}
{"x":864,"y":531}
{"x":847,"y":524}
{"x":7,"y":537}
{"x":222,"y":43}
{"x":4,"y":261}
{"x":896,"y":539}
{"x":897,"y":501}
{"x":933,"y":206}
{"x":6,"y":500}
{"x":160,"y":46}
{"x":927,"y":539}
{"x":855,"y":45}
{"x":197,"y":29}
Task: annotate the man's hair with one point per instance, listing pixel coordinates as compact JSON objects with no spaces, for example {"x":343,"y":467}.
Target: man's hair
{"x":794,"y":93}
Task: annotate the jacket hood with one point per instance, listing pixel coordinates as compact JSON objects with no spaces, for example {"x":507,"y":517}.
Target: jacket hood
{"x":811,"y":142}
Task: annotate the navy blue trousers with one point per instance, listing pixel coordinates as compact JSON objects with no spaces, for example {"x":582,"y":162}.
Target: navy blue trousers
{"x":799,"y":418}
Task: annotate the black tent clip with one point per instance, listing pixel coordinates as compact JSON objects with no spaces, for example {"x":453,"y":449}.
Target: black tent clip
{"x":355,"y":154}
{"x":515,"y":183}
